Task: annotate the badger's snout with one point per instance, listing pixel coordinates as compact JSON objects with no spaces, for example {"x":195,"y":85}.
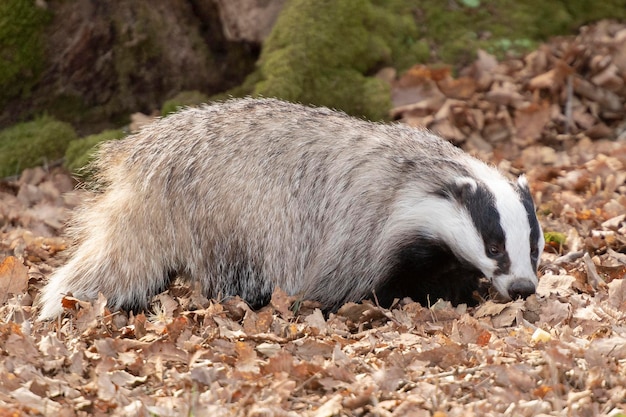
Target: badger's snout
{"x":521,"y":289}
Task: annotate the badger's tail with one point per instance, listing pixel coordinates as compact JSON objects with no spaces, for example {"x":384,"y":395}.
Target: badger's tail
{"x":114,"y":254}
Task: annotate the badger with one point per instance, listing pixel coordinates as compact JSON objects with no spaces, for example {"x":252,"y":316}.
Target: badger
{"x":249,"y":195}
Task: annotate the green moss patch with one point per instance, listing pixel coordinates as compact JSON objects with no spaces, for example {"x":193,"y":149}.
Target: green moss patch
{"x":324,"y":52}
{"x":33,"y":143}
{"x":21,"y":47}
{"x":502,"y":27}
{"x":80,"y":152}
{"x":555,"y":240}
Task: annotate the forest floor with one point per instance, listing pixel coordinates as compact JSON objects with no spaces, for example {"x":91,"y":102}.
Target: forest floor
{"x":557,"y":115}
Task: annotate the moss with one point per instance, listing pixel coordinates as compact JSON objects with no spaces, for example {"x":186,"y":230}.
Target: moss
{"x":32,"y":143}
{"x":138,"y":54}
{"x":395,"y":23}
{"x":555,"y":240}
{"x":21,"y":46}
{"x":136,"y":50}
{"x":585,"y":11}
{"x":80,"y":151}
{"x":503,"y":27}
{"x":185,"y":98}
{"x":69,"y":107}
{"x":555,"y":237}
{"x":323,"y":52}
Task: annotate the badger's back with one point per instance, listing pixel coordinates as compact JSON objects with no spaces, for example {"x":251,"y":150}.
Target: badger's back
{"x":248,"y":195}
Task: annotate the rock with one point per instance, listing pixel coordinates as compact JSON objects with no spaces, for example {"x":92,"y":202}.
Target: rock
{"x":248,"y":20}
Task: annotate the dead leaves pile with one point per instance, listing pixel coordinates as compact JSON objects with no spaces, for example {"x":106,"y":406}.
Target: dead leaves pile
{"x":561,"y":352}
{"x":568,"y":89}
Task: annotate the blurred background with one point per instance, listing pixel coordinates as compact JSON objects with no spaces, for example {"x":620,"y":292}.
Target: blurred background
{"x":84,"y":67}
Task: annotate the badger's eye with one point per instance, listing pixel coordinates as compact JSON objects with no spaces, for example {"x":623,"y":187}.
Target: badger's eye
{"x":495,"y":250}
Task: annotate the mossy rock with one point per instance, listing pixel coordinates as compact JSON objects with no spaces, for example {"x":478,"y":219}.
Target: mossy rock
{"x":33,"y":143}
{"x":22,"y":23}
{"x":324,"y":52}
{"x":183,"y":99}
{"x":80,"y":152}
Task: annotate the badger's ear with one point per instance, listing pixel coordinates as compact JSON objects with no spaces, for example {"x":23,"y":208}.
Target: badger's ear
{"x":460,"y":189}
{"x":523,"y":188}
{"x":522,"y":182}
{"x":524,"y":192}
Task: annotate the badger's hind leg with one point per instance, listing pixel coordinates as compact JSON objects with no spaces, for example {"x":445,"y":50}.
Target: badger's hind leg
{"x":117,"y":253}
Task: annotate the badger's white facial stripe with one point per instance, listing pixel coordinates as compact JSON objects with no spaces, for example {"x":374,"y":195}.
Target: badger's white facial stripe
{"x":514,"y":208}
{"x":480,"y":204}
{"x":441,"y":218}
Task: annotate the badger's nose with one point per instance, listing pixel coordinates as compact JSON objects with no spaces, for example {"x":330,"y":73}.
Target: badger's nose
{"x":521,"y":289}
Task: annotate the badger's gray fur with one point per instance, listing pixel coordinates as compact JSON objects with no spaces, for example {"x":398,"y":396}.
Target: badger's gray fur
{"x":253,"y":194}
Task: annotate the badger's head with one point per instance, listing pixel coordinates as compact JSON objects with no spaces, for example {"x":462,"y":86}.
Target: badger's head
{"x":491,"y":223}
{"x":469,"y":211}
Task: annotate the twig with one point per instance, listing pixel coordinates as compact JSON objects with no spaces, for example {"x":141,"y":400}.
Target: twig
{"x":620,"y":257}
{"x":451,"y":373}
{"x":569,"y":258}
{"x":593,"y":277}
{"x":568,"y":103}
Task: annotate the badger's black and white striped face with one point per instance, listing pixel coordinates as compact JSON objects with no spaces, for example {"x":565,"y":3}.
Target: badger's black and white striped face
{"x":495,"y":229}
{"x":486,"y":222}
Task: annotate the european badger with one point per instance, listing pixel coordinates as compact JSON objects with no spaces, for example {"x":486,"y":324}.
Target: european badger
{"x":253,"y":194}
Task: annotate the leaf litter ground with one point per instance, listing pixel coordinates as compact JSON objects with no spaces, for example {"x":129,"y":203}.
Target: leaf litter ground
{"x":557,"y":115}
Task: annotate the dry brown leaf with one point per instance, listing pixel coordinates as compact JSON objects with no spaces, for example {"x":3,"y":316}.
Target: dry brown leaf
{"x":461,"y":88}
{"x":309,"y":349}
{"x":28,"y":399}
{"x":617,"y":294}
{"x":176,"y":327}
{"x":317,"y":321}
{"x":330,"y":408}
{"x":489,"y":308}
{"x":483,"y":69}
{"x":281,"y":302}
{"x":13,"y":277}
{"x":556,"y":284}
{"x":555,"y":312}
{"x":228,"y":328}
{"x":506,"y":94}
{"x":246,"y":358}
{"x":546,"y":80}
{"x":446,"y":129}
{"x":447,"y":355}
{"x":530,"y":120}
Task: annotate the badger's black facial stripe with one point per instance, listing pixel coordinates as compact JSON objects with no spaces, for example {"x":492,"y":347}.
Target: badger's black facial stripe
{"x":481,"y":205}
{"x":527,"y":201}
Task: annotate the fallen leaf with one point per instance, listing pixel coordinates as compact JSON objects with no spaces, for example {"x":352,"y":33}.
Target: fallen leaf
{"x":316,"y":321}
{"x":13,"y":277}
{"x":461,"y":88}
{"x":530,"y":121}
{"x":617,"y":294}
{"x":556,"y":284}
